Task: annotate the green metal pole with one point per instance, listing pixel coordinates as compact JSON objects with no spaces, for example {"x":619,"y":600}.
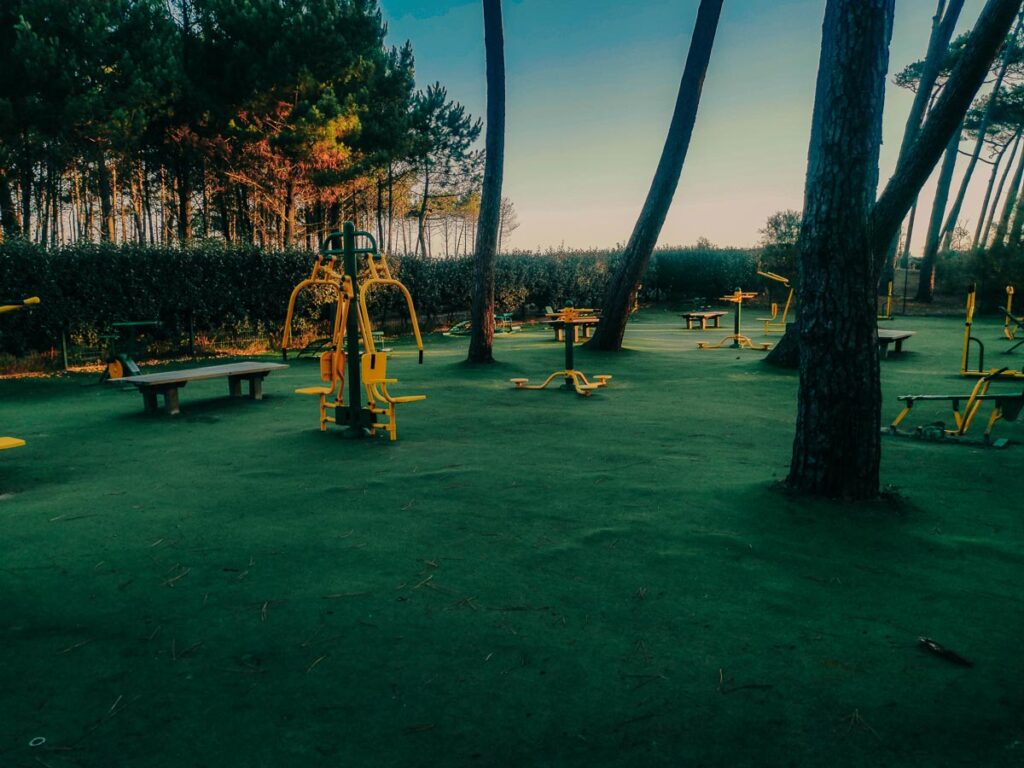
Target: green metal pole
{"x":736,"y":322}
{"x":355,"y":399}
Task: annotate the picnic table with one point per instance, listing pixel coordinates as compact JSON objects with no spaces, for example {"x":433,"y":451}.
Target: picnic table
{"x":581,"y":320}
{"x":894,"y":337}
{"x":703,"y":316}
{"x":167,"y":383}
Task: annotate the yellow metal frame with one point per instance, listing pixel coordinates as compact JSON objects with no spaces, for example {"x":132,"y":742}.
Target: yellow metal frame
{"x":738,"y":340}
{"x":887,"y":314}
{"x":963,"y":418}
{"x":6,"y":443}
{"x":1011,"y":322}
{"x":965,"y":363}
{"x":583,"y":386}
{"x":332,"y":362}
{"x":775,"y":322}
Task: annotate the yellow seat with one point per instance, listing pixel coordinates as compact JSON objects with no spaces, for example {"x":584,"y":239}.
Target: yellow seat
{"x":313,"y":391}
{"x":10,"y":442}
{"x":374,"y":369}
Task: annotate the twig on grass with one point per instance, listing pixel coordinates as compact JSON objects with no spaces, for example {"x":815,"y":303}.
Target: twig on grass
{"x":316,"y":661}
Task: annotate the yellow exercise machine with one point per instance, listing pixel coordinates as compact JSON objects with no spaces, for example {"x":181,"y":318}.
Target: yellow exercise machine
{"x":1011,"y":323}
{"x":575,"y":380}
{"x":1005,"y":406}
{"x":886,"y":314}
{"x":777,"y":322}
{"x":966,"y":368}
{"x":352,"y":326}
{"x":738,"y":340}
{"x":13,"y":306}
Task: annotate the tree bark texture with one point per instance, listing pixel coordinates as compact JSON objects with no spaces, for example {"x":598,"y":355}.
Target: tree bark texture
{"x":618,"y":300}
{"x":837,"y":449}
{"x":481,"y":340}
{"x":926,"y":281}
{"x":1011,"y":198}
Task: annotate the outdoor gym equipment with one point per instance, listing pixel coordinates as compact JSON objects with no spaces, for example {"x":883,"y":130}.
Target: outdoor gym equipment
{"x":886,"y":314}
{"x":502,"y":324}
{"x":966,"y":369}
{"x":574,"y":380}
{"x":738,"y":340}
{"x":777,"y":322}
{"x":12,"y":306}
{"x":123,"y":347}
{"x":352,"y":326}
{"x":1005,"y":406}
{"x":1011,"y":322}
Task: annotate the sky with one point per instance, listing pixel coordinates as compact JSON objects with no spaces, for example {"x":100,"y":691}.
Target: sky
{"x":591,"y":85}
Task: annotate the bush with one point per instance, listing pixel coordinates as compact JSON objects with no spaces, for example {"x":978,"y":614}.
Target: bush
{"x":228,"y":292}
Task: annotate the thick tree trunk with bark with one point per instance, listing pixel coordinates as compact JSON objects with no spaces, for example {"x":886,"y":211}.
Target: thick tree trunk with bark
{"x":926,"y":280}
{"x":985,"y":221}
{"x":618,"y":301}
{"x":481,"y":340}
{"x":837,"y":449}
{"x":1011,"y":198}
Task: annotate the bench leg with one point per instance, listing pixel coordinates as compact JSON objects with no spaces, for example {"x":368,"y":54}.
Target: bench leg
{"x":256,"y":387}
{"x":149,"y":400}
{"x":171,"y":401}
{"x":899,"y":346}
{"x":703,"y":323}
{"x":235,"y":386}
{"x":714,"y":321}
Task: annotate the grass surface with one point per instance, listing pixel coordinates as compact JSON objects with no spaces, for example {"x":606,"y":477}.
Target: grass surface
{"x":524,"y":578}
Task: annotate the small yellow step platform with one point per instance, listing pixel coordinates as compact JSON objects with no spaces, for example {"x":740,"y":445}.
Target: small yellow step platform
{"x":10,"y":442}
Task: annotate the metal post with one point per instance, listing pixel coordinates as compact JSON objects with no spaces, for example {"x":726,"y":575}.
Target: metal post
{"x":569,"y":331}
{"x":355,"y":399}
{"x":736,"y":321}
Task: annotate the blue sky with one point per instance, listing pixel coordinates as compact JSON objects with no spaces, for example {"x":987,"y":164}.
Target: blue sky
{"x":591,"y":86}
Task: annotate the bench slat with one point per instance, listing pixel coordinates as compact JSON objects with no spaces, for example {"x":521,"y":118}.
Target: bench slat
{"x":197,"y":374}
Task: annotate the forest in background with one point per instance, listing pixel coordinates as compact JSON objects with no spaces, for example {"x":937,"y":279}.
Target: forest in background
{"x":159,"y":122}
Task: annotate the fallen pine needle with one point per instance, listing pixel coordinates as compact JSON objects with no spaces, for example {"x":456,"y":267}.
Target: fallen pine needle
{"x":338,"y":595}
{"x":316,"y":661}
{"x":77,"y":645}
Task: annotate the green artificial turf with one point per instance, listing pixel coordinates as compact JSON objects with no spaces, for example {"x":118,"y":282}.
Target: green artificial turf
{"x":523,"y":579}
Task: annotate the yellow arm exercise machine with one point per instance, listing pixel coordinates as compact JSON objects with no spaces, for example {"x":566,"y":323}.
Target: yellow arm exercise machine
{"x":1005,"y":406}
{"x":352,"y":326}
{"x":14,"y":442}
{"x":777,"y":322}
{"x":966,"y":367}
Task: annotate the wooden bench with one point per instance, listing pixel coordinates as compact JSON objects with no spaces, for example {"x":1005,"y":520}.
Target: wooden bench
{"x":581,"y":327}
{"x":703,"y":316}
{"x":887,"y":337}
{"x":167,"y":383}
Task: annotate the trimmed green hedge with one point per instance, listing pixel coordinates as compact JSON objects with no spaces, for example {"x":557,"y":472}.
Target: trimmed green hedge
{"x":228,"y":292}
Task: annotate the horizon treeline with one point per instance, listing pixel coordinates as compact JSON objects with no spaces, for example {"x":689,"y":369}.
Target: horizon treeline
{"x":266,"y":122}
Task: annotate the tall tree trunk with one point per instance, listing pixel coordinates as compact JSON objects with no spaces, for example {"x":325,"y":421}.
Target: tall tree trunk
{"x":618,"y":300}
{"x":391,"y":203}
{"x":954,"y":211}
{"x":481,"y":340}
{"x":422,"y":242}
{"x":989,"y":189}
{"x":1013,"y":238}
{"x":289,"y":214}
{"x":943,"y":24}
{"x":845,"y":240}
{"x":982,"y":242}
{"x":926,"y":279}
{"x":26,"y":196}
{"x":836,"y":450}
{"x":1011,"y":199}
{"x":184,"y":190}
{"x":8,"y":218}
{"x":107,"y":227}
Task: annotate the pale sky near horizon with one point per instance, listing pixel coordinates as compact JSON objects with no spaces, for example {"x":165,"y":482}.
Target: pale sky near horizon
{"x":590,"y":92}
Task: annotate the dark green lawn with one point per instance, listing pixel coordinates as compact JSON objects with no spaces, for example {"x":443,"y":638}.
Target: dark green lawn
{"x":523,"y":579}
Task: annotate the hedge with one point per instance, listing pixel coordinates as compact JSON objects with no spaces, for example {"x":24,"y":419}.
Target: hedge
{"x":226,"y":292}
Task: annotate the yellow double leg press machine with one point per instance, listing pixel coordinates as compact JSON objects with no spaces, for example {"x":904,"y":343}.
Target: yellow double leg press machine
{"x":13,"y":306}
{"x":366,"y":371}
